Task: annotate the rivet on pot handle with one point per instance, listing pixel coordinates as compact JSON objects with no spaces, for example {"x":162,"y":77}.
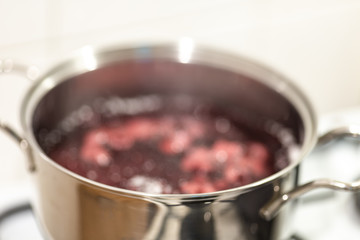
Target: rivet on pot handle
{"x":270,"y":210}
{"x":31,"y":72}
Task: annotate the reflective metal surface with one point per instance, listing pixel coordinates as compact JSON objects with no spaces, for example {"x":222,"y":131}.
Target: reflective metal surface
{"x":319,"y":215}
{"x":272,"y":208}
{"x":9,"y":66}
{"x":74,"y":208}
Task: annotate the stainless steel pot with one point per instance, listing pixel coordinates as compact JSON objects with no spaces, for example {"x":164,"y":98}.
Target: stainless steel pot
{"x":71,"y":207}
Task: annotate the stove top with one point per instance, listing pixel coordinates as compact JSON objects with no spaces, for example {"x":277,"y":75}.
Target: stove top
{"x":320,"y":215}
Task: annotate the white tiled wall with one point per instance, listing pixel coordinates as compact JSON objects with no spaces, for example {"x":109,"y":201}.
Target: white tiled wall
{"x":315,"y":43}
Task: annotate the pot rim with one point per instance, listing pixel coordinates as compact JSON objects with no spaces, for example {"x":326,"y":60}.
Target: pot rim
{"x":91,"y":58}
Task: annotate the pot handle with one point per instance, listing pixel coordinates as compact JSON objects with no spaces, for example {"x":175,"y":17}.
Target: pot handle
{"x":31,"y":72}
{"x":22,"y":142}
{"x":9,"y":66}
{"x":271,"y":209}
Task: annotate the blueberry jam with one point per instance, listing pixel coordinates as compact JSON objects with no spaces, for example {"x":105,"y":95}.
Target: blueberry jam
{"x":164,"y":145}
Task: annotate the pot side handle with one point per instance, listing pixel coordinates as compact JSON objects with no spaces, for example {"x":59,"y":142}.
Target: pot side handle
{"x":23,"y":143}
{"x":270,"y":210}
{"x":31,"y":73}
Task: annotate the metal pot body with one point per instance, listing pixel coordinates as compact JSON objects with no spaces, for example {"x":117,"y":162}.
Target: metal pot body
{"x":71,"y":207}
{"x":73,"y":210}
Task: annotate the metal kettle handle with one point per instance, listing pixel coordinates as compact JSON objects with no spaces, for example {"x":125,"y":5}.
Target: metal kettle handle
{"x":31,"y":72}
{"x":271,"y":209}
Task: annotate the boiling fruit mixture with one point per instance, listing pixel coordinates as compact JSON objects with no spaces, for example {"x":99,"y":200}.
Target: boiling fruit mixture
{"x":166,"y":145}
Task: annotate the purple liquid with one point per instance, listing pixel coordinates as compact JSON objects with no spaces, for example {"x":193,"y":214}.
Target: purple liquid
{"x":180,"y":146}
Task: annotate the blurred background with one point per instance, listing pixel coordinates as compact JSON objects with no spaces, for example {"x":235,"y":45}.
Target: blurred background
{"x":315,"y":43}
